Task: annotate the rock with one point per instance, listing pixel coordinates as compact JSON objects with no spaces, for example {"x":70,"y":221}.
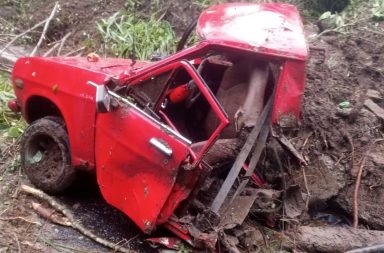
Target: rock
{"x":325,"y":178}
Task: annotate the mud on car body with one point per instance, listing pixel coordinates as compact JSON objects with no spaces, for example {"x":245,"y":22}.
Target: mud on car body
{"x":160,"y":135}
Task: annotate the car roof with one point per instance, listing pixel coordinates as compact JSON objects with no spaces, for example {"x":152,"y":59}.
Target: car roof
{"x":269,"y":28}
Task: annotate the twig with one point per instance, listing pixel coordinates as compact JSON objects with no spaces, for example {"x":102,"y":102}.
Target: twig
{"x":75,"y":224}
{"x":20,"y":218}
{"x":5,"y":70}
{"x":349,"y":138}
{"x":306,"y":141}
{"x":17,"y":242}
{"x":74,"y":51}
{"x":306,"y":188}
{"x":51,"y":50}
{"x":21,"y":35}
{"x":62,"y":43}
{"x":45,"y":29}
{"x":357,"y":185}
{"x":337,"y":29}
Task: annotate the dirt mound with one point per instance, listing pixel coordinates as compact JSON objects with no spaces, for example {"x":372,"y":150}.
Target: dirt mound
{"x":335,"y":139}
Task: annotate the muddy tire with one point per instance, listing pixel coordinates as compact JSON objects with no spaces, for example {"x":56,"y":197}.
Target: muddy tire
{"x":45,"y":155}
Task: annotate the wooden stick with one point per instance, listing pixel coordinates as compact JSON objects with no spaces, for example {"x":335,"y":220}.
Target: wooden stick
{"x":75,"y":224}
{"x":357,"y":185}
{"x":17,"y":242}
{"x":331,"y":239}
{"x":306,"y":188}
{"x":74,"y":51}
{"x":20,"y":218}
{"x":62,"y":43}
{"x":49,"y":52}
{"x":45,"y":29}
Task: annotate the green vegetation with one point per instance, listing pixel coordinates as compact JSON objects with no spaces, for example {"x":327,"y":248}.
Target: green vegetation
{"x":378,"y":10}
{"x":11,"y":125}
{"x":125,"y":34}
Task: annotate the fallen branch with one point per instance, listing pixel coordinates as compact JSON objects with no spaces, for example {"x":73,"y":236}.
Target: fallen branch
{"x":375,"y":108}
{"x":357,"y":185}
{"x":17,"y":242}
{"x":62,"y":43}
{"x":57,"y":44}
{"x":288,"y":145}
{"x":20,"y":218}
{"x":49,"y":52}
{"x":331,"y":239}
{"x":74,"y":51}
{"x":376,"y":248}
{"x":51,"y":215}
{"x":42,"y":37}
{"x":4,"y":69}
{"x":21,"y":35}
{"x":75,"y":224}
{"x":336,"y":29}
{"x":306,"y":188}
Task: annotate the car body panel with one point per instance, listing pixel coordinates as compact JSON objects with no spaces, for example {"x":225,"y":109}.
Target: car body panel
{"x":269,"y":28}
{"x":133,"y":176}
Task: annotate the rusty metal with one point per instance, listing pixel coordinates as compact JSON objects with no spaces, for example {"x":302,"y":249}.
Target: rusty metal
{"x":260,"y":145}
{"x":235,"y":170}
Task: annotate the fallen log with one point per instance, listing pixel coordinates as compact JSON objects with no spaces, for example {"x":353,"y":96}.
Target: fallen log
{"x":375,"y":108}
{"x":332,"y":239}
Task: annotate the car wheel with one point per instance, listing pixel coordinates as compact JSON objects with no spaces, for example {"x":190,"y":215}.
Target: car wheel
{"x":45,"y":155}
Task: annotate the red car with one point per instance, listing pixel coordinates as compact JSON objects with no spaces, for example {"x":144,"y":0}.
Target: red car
{"x":149,"y":129}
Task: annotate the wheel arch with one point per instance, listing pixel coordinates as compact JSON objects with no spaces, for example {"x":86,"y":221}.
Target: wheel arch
{"x":37,"y":107}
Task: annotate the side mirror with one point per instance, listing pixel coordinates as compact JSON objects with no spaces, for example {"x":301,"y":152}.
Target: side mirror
{"x":103,"y":99}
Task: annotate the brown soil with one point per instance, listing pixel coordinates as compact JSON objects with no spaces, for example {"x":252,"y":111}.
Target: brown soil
{"x":337,"y":142}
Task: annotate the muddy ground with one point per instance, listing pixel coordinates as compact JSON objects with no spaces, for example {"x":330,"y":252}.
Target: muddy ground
{"x":333,"y":140}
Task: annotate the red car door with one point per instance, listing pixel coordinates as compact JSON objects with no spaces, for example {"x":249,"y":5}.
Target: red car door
{"x":138,"y":157}
{"x":137,"y":160}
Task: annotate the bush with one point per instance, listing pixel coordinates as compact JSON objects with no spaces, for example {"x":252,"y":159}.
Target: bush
{"x":10,"y":123}
{"x":124,"y":34}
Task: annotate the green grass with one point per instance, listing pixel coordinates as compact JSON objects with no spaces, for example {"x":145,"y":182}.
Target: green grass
{"x":125,"y":34}
{"x":11,"y":124}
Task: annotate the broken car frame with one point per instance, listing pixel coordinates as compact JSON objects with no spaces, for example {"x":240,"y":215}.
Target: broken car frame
{"x":150,"y":138}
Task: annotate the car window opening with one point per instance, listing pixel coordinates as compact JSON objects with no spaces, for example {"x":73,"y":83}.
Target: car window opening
{"x":173,"y":97}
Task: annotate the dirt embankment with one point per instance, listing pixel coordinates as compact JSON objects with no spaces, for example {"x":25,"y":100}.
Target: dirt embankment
{"x":336,"y":139}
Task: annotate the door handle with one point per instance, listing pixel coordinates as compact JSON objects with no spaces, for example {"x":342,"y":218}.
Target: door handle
{"x":162,"y":146}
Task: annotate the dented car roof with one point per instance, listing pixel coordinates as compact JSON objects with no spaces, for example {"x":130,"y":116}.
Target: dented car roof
{"x":270,"y":28}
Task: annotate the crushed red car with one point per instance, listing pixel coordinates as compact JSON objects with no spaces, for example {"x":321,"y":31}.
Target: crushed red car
{"x":175,"y":142}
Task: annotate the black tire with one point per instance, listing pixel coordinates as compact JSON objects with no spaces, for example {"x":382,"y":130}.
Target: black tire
{"x":45,"y":155}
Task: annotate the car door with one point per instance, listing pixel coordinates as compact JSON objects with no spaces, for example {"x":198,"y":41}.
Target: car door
{"x":138,"y":156}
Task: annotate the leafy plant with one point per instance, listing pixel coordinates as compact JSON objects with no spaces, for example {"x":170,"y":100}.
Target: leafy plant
{"x":10,"y":123}
{"x":124,"y":34}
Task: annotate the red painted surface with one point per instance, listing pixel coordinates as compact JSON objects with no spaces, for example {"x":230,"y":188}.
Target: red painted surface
{"x":133,"y":176}
{"x":271,"y":28}
{"x":154,"y":185}
{"x":14,"y":105}
{"x":289,"y":92}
